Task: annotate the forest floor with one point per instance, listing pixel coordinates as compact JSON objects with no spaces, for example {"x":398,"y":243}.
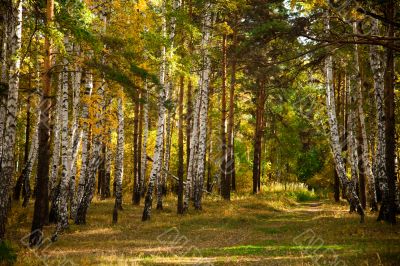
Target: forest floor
{"x":267,"y":229}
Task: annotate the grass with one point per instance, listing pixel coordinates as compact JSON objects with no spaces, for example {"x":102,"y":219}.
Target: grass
{"x":273,"y":228}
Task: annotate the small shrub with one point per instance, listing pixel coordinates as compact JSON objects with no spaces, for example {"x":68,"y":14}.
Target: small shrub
{"x":8,"y":255}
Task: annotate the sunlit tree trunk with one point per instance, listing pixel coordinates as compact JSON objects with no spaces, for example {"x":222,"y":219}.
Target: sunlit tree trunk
{"x":119,"y":158}
{"x":94,"y":161}
{"x":55,"y":160}
{"x":180,"y":147}
{"x":136,"y":183}
{"x":348,"y":185}
{"x":225,"y":183}
{"x":203,"y":88}
{"x":230,"y":166}
{"x":75,"y":132}
{"x":366,"y":163}
{"x":85,"y":143}
{"x":62,"y":222}
{"x":4,"y":77}
{"x":144,"y":147}
{"x":157,"y":157}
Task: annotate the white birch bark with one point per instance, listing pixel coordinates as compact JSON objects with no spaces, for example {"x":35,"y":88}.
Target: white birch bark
{"x":145,"y":136}
{"x":347,"y":184}
{"x":157,"y":157}
{"x":202,"y":142}
{"x":7,"y":160}
{"x":85,"y":143}
{"x":119,"y":158}
{"x":62,"y":222}
{"x":378,"y":70}
{"x":94,"y":162}
{"x":3,"y":94}
{"x":55,"y":160}
{"x":365,"y":149}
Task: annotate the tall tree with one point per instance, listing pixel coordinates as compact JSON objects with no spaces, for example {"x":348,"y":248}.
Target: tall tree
{"x":42,"y":201}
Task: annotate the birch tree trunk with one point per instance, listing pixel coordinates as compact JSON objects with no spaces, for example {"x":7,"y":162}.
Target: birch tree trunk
{"x":85,"y":143}
{"x":4,"y":74}
{"x":55,"y":160}
{"x":157,"y":157}
{"x":364,"y":139}
{"x":119,"y":158}
{"x":7,"y":159}
{"x":93,"y":162}
{"x":62,"y":222}
{"x":377,"y":67}
{"x":180,"y":147}
{"x":202,"y":142}
{"x":144,"y":147}
{"x":76,"y":134}
{"x":225,"y":183}
{"x":347,"y":185}
{"x":136,"y":191}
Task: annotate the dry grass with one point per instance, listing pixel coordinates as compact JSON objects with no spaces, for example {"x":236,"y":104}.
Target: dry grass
{"x":268,"y":229}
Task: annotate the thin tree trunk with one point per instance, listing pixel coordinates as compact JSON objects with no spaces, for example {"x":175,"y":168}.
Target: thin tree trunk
{"x":19,"y":183}
{"x":94,"y":162}
{"x":225,"y":183}
{"x":85,"y":143}
{"x":202,"y":141}
{"x":136,"y":190}
{"x":231,"y":134}
{"x":157,"y":157}
{"x":347,"y":185}
{"x":363,"y":139}
{"x":119,"y":160}
{"x":144,"y":148}
{"x":180,"y":147}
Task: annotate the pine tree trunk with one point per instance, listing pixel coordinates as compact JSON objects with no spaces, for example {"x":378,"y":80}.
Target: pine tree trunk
{"x":42,"y":202}
{"x":348,"y":185}
{"x":388,"y":208}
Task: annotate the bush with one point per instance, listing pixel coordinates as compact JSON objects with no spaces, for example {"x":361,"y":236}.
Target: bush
{"x":7,"y":254}
{"x":304,"y":195}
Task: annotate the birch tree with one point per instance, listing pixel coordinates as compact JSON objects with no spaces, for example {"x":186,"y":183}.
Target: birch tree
{"x":7,"y":159}
{"x":347,"y":185}
{"x":157,"y":157}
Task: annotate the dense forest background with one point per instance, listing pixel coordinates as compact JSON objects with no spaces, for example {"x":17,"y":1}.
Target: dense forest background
{"x":139,"y":101}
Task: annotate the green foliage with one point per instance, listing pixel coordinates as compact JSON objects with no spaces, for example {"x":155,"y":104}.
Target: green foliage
{"x":7,"y":253}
